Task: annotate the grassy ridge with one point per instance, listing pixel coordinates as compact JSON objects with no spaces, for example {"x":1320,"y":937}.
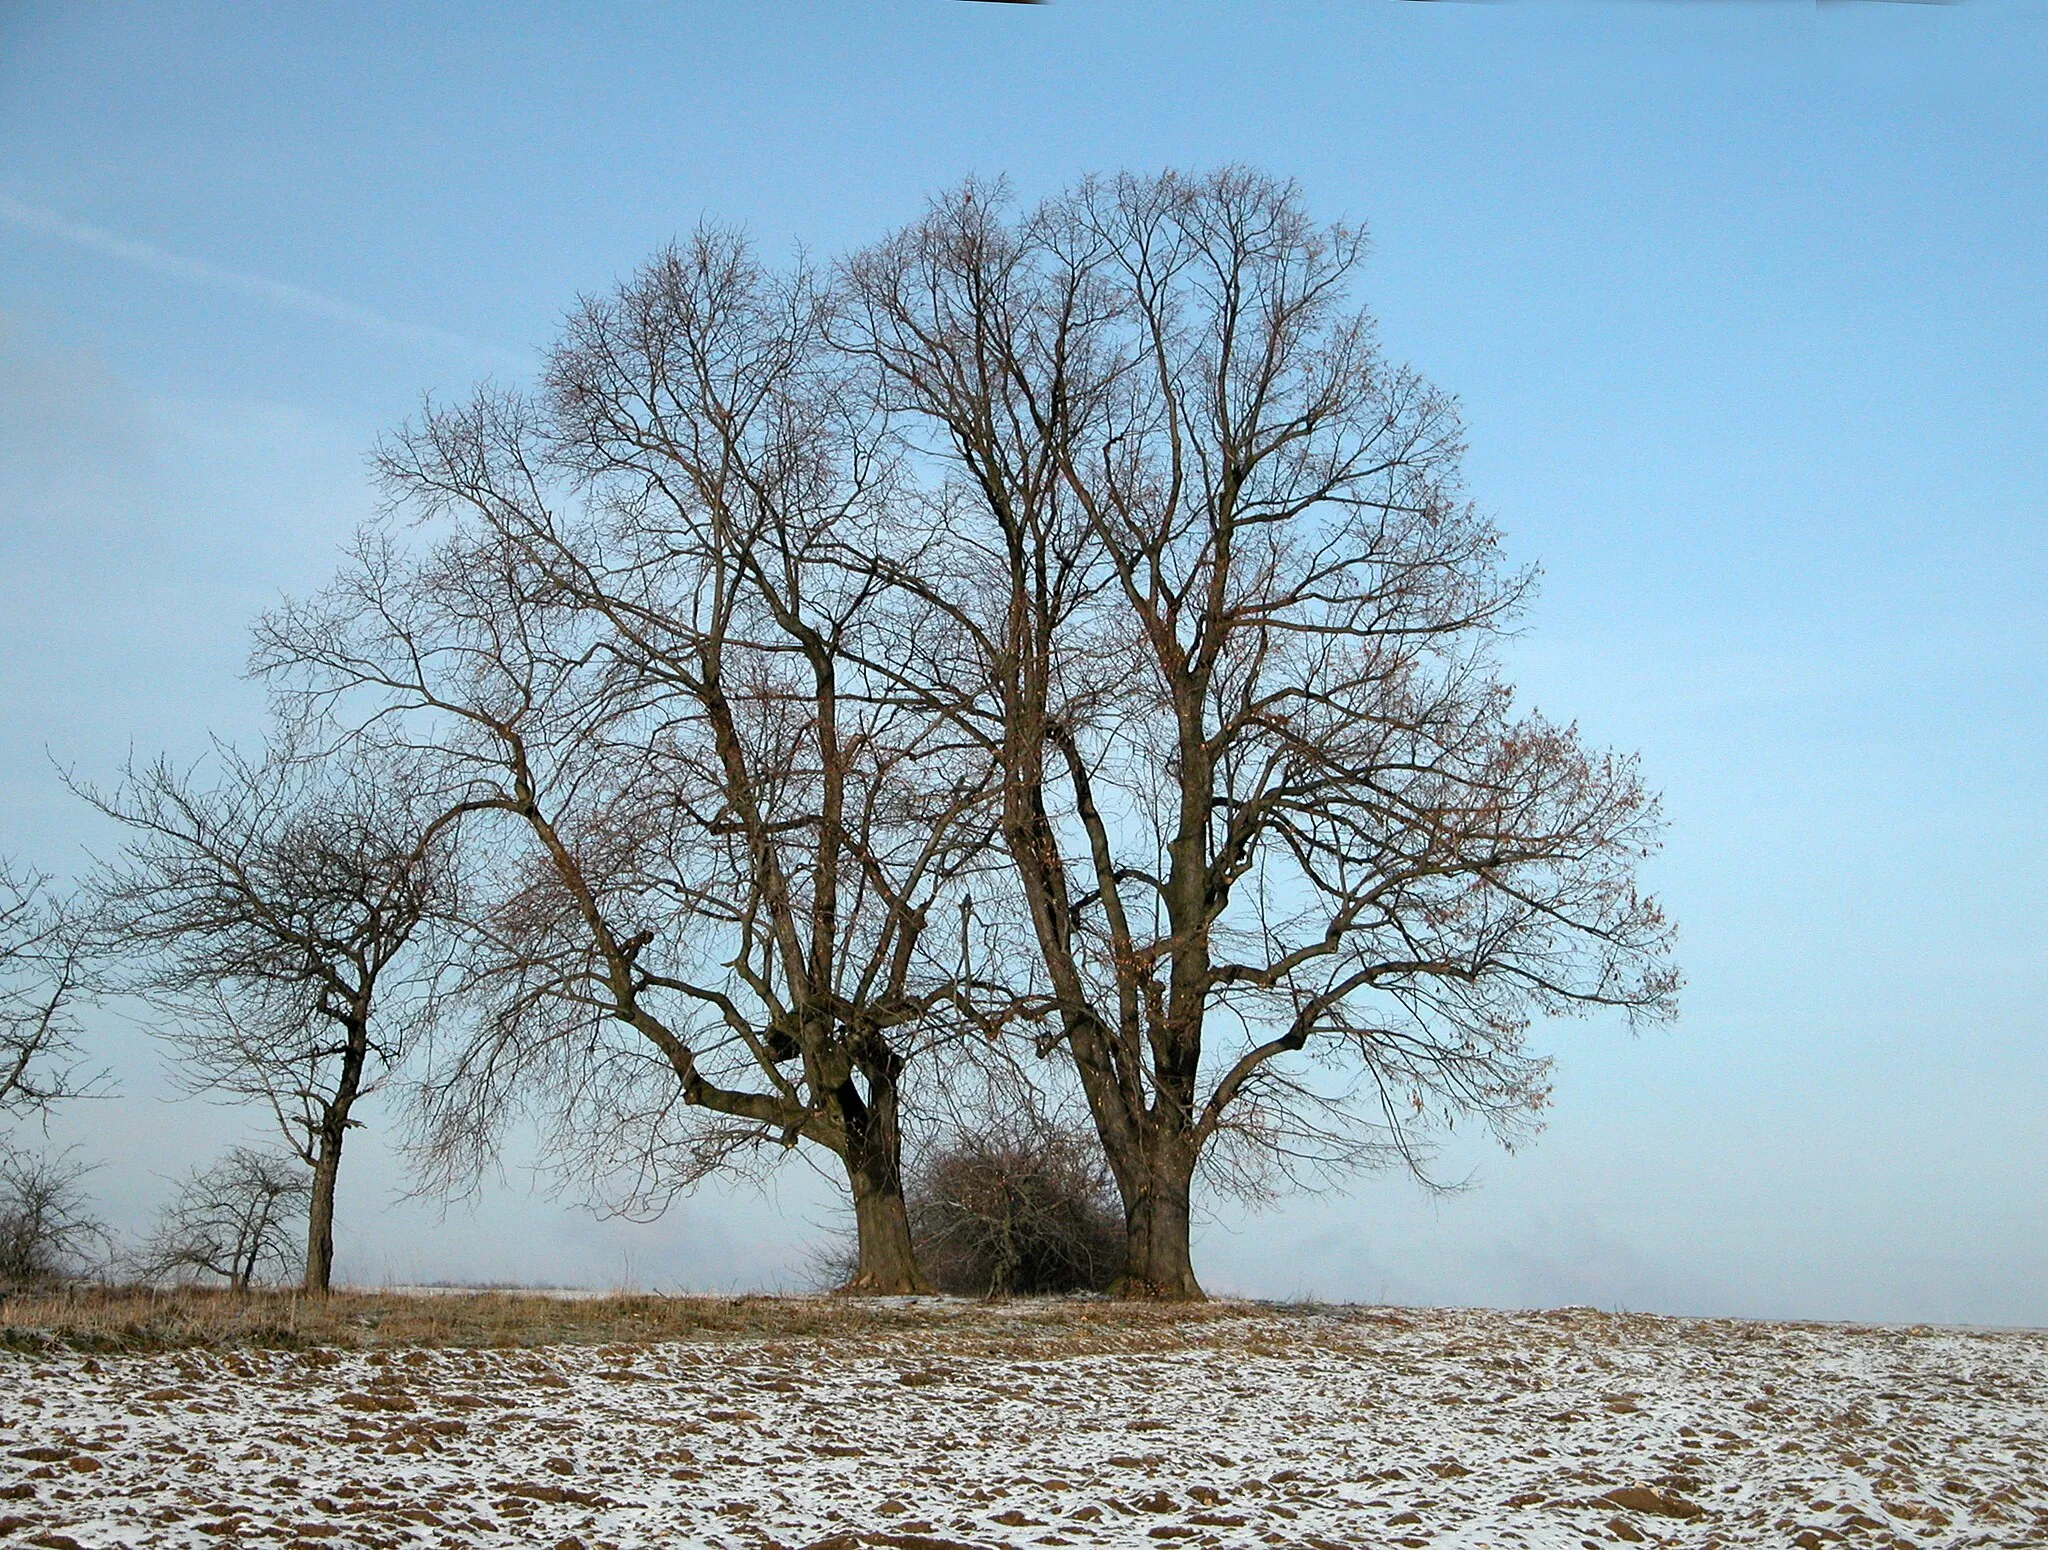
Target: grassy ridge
{"x":100,"y":1318}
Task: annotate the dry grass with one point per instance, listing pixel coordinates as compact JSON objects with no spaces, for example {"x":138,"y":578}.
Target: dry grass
{"x":141,"y":1319}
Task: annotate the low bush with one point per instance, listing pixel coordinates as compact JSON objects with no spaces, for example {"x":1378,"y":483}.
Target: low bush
{"x":1018,"y":1210}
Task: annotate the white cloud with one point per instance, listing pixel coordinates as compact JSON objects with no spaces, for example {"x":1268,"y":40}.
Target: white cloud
{"x":147,"y":255}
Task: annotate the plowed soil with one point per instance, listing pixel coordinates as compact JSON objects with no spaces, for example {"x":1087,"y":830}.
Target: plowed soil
{"x":948,"y":1424}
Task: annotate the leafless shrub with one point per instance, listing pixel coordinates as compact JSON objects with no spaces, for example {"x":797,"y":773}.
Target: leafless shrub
{"x":1023,"y":1208}
{"x":240,"y":1219}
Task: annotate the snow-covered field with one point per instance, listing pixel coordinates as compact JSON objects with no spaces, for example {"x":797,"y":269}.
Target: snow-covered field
{"x":1021,"y":1425}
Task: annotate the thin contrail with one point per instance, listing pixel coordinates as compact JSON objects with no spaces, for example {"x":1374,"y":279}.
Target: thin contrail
{"x":147,"y":255}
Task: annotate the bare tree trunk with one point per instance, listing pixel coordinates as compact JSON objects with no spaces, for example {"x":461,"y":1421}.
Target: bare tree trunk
{"x":887,"y":1263}
{"x":1159,"y":1261}
{"x":334,"y":1123}
{"x":1153,"y":1164}
{"x":320,"y":1213}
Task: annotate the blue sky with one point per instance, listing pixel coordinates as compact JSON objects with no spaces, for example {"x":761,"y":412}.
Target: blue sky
{"x":1747,"y":306}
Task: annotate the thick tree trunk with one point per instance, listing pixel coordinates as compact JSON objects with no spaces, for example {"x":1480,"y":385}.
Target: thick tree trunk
{"x":1154,"y":1168}
{"x":334,"y":1124}
{"x":1158,"y":1258}
{"x":887,"y":1262}
{"x":320,"y":1212}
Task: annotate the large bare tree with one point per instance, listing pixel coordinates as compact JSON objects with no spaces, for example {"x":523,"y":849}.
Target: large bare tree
{"x":275,"y":919}
{"x":725,"y":924}
{"x":1298,"y":874}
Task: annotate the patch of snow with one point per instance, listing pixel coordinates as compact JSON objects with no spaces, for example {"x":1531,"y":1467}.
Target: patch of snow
{"x":1010,"y":1427}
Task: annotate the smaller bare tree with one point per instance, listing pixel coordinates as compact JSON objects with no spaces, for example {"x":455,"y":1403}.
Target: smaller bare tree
{"x":269,"y":918}
{"x":239,"y":1219}
{"x":48,"y":1231}
{"x":41,"y":964}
